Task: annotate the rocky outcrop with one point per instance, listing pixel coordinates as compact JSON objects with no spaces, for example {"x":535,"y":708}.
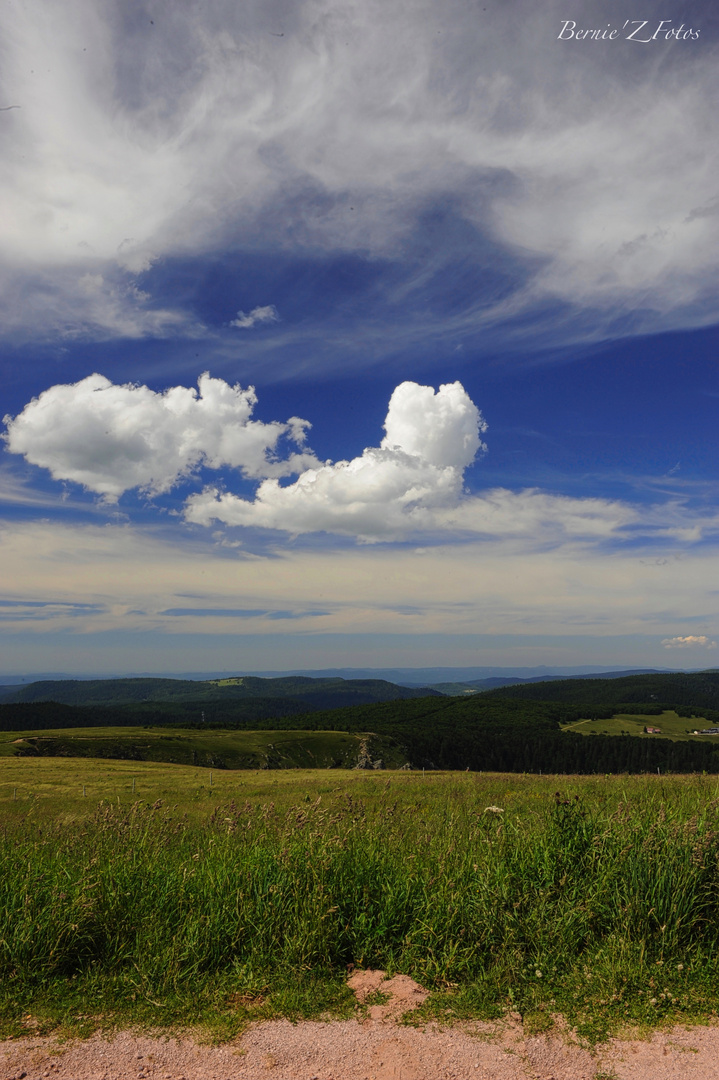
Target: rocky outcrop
{"x":364,"y":756}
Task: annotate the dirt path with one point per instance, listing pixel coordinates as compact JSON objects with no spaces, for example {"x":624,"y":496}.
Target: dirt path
{"x":374,"y":1048}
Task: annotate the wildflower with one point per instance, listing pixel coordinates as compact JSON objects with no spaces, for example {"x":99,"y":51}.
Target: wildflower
{"x":538,"y":973}
{"x":493,"y":810}
{"x":652,"y":1001}
{"x":680,"y":967}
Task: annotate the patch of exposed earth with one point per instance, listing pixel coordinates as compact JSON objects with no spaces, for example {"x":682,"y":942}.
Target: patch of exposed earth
{"x":373,"y":1047}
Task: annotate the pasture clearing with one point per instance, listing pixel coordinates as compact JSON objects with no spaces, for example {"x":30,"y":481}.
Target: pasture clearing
{"x":672,"y":726}
{"x":594,"y":897}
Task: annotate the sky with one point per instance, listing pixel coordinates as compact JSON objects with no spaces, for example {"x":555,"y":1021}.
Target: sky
{"x":348,"y":333}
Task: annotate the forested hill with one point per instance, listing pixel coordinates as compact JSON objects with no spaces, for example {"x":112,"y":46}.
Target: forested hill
{"x":307,"y":692}
{"x":698,"y":690}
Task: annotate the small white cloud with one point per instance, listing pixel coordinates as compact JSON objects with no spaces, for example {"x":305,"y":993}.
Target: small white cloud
{"x":688,"y":642}
{"x":113,"y":438}
{"x":266,"y":314}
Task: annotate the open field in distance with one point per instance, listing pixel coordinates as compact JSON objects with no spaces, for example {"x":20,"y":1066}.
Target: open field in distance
{"x":672,"y":726}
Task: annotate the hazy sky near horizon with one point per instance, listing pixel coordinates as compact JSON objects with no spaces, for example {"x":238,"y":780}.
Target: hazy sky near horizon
{"x":358,"y":334}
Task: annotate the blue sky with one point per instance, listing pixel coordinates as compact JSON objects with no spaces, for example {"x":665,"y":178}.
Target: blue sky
{"x":358,"y":334}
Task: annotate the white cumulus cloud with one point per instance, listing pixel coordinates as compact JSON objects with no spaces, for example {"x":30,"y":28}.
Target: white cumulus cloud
{"x":391,"y":489}
{"x":413,"y":482}
{"x":688,"y":642}
{"x":257,"y":315}
{"x":442,"y":429}
{"x":111,"y":438}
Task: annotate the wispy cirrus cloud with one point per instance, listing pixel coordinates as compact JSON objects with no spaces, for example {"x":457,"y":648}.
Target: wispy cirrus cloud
{"x":344,"y":132}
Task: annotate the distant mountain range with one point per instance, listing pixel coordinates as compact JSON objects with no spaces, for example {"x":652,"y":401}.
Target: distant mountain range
{"x":476,"y":686}
{"x":425,"y":676}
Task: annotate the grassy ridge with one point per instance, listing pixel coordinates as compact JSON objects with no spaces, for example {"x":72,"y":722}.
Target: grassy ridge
{"x":505,"y":731}
{"x":217,"y":750}
{"x":601,"y":901}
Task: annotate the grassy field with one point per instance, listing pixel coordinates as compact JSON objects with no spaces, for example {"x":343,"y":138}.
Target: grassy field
{"x":677,"y":728}
{"x":184,"y":903}
{"x":50,"y":791}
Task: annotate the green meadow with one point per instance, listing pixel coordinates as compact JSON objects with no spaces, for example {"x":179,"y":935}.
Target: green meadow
{"x":53,"y":791}
{"x":159,"y":894}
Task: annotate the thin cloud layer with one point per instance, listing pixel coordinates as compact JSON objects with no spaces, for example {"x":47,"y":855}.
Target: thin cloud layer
{"x":208,"y":129}
{"x":386,"y":495}
{"x":114,"y":438}
{"x":486,"y":588}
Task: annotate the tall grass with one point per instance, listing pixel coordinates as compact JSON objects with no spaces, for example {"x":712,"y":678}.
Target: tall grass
{"x":563,"y":901}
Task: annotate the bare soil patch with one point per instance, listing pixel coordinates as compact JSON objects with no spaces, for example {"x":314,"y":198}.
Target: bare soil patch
{"x":402,"y":994}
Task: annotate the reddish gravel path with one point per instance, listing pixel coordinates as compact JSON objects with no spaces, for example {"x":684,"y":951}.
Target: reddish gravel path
{"x":374,"y":1048}
{"x":377,"y":1050}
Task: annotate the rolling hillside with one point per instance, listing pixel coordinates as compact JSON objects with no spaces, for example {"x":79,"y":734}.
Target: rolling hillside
{"x":698,"y":691}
